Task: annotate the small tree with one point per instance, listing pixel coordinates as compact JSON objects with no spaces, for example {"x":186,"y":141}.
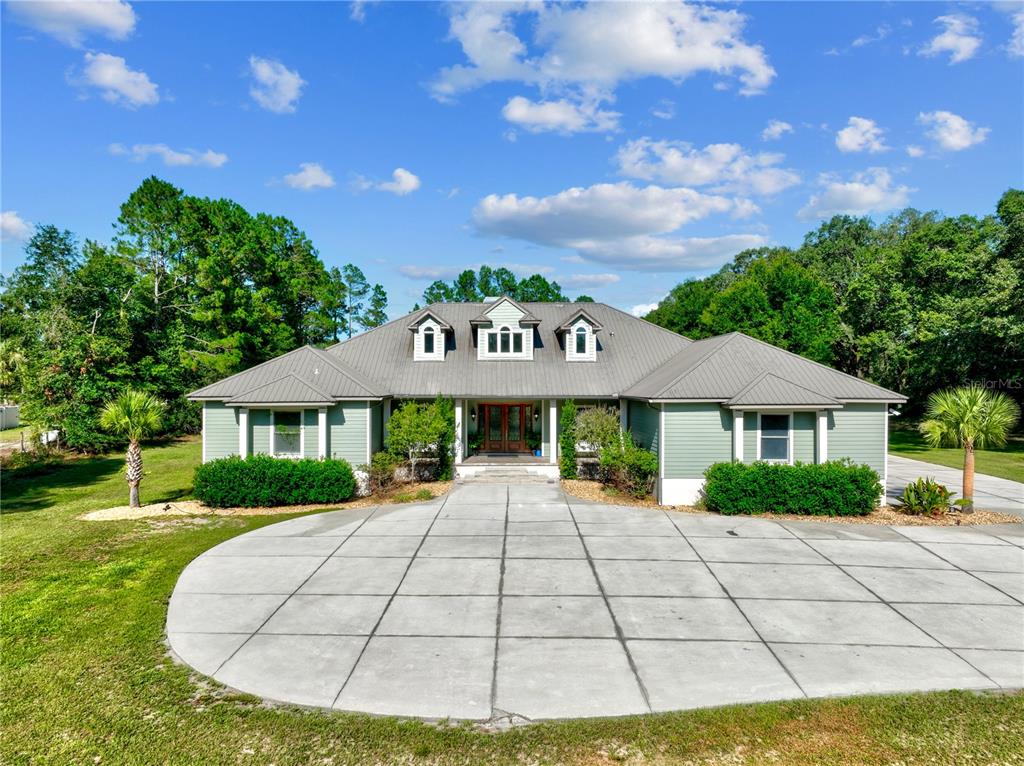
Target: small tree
{"x":416,"y":429}
{"x":596,"y":428}
{"x":567,"y":440}
{"x":970,"y":417}
{"x":134,"y":415}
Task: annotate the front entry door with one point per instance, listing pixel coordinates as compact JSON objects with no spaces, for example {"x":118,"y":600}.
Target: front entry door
{"x":504,"y":427}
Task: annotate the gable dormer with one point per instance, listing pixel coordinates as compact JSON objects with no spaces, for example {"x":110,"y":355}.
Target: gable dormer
{"x":580,"y":337}
{"x":504,"y":331}
{"x":428,"y":337}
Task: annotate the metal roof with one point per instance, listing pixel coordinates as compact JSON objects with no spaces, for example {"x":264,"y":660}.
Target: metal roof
{"x":289,"y":388}
{"x":484,"y":317}
{"x":771,"y":390}
{"x":568,"y":323}
{"x":719,"y":368}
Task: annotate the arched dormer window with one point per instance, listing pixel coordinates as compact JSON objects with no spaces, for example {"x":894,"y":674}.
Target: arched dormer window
{"x":428,"y":340}
{"x":581,"y":340}
{"x":506,"y":340}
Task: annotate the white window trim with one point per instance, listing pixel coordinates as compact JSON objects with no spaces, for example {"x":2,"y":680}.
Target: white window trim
{"x":788,"y":414}
{"x":485,"y":333}
{"x":590,"y":355}
{"x":302,"y":435}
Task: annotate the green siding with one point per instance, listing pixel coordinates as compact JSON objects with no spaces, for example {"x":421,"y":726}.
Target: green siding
{"x":857,"y":431}
{"x":644,"y":422}
{"x":310,"y":447}
{"x":259,"y":431}
{"x":506,"y":313}
{"x":346,"y":428}
{"x":220,"y":437}
{"x":376,"y":428}
{"x":696,"y":435}
{"x":749,"y":437}
{"x":803,"y":437}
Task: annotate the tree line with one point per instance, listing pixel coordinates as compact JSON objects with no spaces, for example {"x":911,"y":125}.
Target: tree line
{"x":917,"y":303}
{"x":474,"y":286}
{"x":189,"y":290}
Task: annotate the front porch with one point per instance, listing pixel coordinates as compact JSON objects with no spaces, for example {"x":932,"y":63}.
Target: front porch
{"x":504,"y":458}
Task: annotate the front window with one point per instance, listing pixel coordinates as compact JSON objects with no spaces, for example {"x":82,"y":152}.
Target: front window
{"x":775,"y":438}
{"x":428,"y":340}
{"x":287,"y":434}
{"x":506,"y":340}
{"x":581,"y":340}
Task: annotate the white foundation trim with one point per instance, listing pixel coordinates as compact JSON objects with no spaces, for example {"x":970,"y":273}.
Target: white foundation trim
{"x":460,"y":405}
{"x":737,"y":435}
{"x":680,"y":491}
{"x":321,"y":433}
{"x":822,"y":434}
{"x":243,"y":432}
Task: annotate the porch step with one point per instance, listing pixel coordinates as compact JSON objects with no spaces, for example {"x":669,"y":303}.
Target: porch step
{"x":507,"y":474}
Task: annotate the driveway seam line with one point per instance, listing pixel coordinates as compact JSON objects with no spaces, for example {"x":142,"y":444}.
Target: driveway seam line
{"x":497,"y":616}
{"x":391,"y":598}
{"x":735,"y":604}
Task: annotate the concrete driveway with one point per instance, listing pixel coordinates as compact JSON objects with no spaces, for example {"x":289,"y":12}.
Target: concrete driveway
{"x":515,"y":602}
{"x":990,"y":492}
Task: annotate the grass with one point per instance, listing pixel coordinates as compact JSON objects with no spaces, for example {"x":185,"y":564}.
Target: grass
{"x":1007,"y":463}
{"x":86,"y":678}
{"x":13,"y":434}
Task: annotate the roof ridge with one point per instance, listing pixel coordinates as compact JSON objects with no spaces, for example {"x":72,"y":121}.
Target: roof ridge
{"x":818,"y":364}
{"x":696,"y":364}
{"x":769,"y":373}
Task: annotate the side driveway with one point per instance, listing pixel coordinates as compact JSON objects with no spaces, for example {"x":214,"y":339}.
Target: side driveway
{"x":515,"y":602}
{"x":990,"y":492}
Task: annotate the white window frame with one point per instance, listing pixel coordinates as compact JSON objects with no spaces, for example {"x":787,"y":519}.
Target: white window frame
{"x":484,"y":336}
{"x":302,"y":435}
{"x":789,"y":441}
{"x":428,"y":331}
{"x":590,"y":354}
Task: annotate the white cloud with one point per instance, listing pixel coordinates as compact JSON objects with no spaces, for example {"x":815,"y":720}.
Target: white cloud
{"x":951,"y":131}
{"x":309,"y":176}
{"x":664,"y":109}
{"x":275,"y":87}
{"x":881,"y":32}
{"x":402,"y":182}
{"x":871,"y":191}
{"x":117,"y":83}
{"x":357,"y":10}
{"x":775,"y":130}
{"x":413,"y":271}
{"x":915,"y":151}
{"x":643,"y":309}
{"x":591,"y":280}
{"x":726,"y":166}
{"x":621,"y":224}
{"x":959,"y":38}
{"x":1015,"y":47}
{"x":13,"y":226}
{"x":71,"y":21}
{"x":581,"y":53}
{"x":861,"y":135}
{"x":562,"y":116}
{"x":173,"y":157}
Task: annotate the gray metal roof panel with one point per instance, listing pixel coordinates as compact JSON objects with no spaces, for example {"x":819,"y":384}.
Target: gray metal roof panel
{"x":288,"y":388}
{"x":771,"y":390}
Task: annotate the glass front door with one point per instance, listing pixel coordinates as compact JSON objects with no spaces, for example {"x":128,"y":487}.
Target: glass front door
{"x":504,"y":427}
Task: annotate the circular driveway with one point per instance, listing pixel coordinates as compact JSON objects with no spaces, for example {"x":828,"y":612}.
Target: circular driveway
{"x":516,"y":601}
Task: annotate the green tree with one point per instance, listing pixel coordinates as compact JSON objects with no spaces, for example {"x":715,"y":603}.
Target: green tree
{"x":584,"y":299}
{"x":11,"y":361}
{"x":376,"y":312}
{"x":567,"y":440}
{"x":969,"y":418}
{"x":134,"y":415}
{"x":335,"y":303}
{"x":473,"y":287}
{"x":537,"y":288}
{"x":416,"y":430}
{"x":356,"y":289}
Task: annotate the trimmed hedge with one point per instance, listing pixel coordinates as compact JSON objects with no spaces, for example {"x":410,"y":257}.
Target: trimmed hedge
{"x":264,"y":481}
{"x":835,"y":488}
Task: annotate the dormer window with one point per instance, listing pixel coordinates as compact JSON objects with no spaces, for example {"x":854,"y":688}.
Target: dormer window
{"x":581,"y":340}
{"x":579,"y":337}
{"x":428,"y":340}
{"x":429,"y":337}
{"x":505,"y":330}
{"x":506,"y":343}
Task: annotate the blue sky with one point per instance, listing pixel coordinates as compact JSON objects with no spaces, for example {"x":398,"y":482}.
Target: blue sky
{"x":616,"y":148}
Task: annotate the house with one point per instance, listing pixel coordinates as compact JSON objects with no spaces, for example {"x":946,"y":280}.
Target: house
{"x":510,"y":366}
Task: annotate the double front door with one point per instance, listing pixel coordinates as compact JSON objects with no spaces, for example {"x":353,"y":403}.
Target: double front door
{"x":505,"y":427}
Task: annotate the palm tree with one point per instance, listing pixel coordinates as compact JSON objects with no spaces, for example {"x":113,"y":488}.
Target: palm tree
{"x":135,"y":415}
{"x":970,"y":417}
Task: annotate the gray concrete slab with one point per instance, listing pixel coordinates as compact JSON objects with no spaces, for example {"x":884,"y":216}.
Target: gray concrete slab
{"x":476,"y":606}
{"x":991,"y":492}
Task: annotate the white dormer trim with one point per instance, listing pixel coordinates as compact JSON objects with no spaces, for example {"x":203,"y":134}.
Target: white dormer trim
{"x":580,"y":342}
{"x":428,"y":333}
{"x":484,"y":342}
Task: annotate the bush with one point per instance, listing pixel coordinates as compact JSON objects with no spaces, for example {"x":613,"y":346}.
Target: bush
{"x":925,"y":497}
{"x":628,"y":467}
{"x":264,"y":481}
{"x":597,"y":428}
{"x":381,"y":471}
{"x":567,"y":440}
{"x":418,"y":430}
{"x":835,"y":488}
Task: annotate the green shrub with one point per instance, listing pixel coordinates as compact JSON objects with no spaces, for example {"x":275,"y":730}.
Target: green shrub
{"x":925,"y":497}
{"x":835,"y":488}
{"x":417,"y":430}
{"x":597,"y":428}
{"x":264,"y":481}
{"x":381,"y":471}
{"x":628,"y":467}
{"x":567,"y":440}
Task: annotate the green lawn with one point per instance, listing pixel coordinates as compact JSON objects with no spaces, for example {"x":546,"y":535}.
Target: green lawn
{"x":13,"y":434}
{"x":1007,"y":463}
{"x":86,"y":680}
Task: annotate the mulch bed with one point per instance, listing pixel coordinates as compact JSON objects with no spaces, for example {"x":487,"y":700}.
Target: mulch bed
{"x":596,"y":492}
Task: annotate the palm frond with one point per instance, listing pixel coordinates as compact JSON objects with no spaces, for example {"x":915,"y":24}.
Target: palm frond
{"x":971,"y":415}
{"x":133,"y":414}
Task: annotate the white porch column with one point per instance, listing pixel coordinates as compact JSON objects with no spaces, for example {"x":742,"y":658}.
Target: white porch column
{"x":243,"y":432}
{"x":623,"y":414}
{"x":737,"y":435}
{"x":321,"y":433}
{"x":460,"y":405}
{"x":821,"y":437}
{"x":553,"y":431}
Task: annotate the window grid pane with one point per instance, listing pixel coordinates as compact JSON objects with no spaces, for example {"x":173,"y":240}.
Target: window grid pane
{"x":505,"y":341}
{"x":517,"y":343}
{"x":492,"y":343}
{"x":428,"y":342}
{"x":581,"y":341}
